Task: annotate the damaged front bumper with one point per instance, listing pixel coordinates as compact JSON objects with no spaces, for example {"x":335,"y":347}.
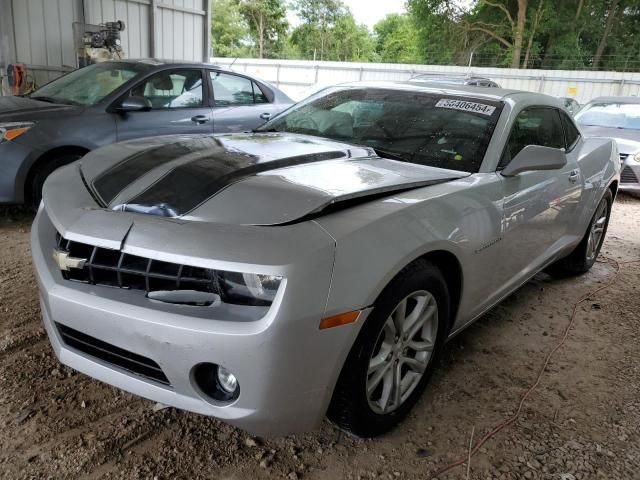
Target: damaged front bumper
{"x":285,"y":366}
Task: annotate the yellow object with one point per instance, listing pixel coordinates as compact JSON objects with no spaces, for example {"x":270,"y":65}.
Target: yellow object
{"x":458,"y":157}
{"x":572,"y":90}
{"x":14,"y":133}
{"x":340,"y":319}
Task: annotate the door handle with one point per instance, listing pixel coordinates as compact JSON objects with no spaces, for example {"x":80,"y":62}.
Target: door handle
{"x":265,"y":116}
{"x":573,"y":176}
{"x":200,"y":119}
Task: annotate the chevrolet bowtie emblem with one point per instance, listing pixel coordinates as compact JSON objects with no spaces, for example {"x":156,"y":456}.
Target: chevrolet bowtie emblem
{"x":66,"y":262}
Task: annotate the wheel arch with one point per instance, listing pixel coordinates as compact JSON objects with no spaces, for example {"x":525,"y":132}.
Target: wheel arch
{"x":42,"y":159}
{"x":451,"y":269}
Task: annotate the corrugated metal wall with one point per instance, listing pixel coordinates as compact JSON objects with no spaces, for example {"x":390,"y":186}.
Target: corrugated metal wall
{"x":181,"y":29}
{"x":43,"y":35}
{"x":296,"y":76}
{"x":39,"y":33}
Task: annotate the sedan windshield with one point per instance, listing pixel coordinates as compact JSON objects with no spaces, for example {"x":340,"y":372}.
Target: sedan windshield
{"x":89,"y":85}
{"x":610,"y":115}
{"x":445,"y":131}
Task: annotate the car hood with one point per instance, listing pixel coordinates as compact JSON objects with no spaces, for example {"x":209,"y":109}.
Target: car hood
{"x":246,"y":179}
{"x":24,"y":108}
{"x":628,"y":140}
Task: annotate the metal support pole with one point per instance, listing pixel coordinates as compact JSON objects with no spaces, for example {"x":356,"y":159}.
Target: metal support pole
{"x":278,"y":75}
{"x":153,"y":15}
{"x":206,"y":50}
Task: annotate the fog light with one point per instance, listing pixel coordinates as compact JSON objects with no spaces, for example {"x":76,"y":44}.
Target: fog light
{"x":216,"y":382}
{"x":227,"y":380}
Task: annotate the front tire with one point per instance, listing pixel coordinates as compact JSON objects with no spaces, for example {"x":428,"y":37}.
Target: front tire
{"x":43,"y":171}
{"x":394,"y":355}
{"x":585,"y":254}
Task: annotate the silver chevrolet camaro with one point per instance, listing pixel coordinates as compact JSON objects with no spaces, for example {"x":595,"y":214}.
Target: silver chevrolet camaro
{"x":314,"y":267}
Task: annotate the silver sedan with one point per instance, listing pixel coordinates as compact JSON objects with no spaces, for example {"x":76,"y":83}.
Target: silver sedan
{"x":617,"y":118}
{"x":317,"y":266}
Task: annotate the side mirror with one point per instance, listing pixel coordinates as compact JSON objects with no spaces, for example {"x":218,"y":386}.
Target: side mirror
{"x":535,"y":157}
{"x":134,"y":104}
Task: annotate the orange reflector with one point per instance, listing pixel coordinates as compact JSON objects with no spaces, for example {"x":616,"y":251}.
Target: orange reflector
{"x":14,"y":133}
{"x":340,"y":319}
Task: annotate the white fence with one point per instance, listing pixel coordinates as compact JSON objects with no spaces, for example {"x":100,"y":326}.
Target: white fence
{"x":295,"y":77}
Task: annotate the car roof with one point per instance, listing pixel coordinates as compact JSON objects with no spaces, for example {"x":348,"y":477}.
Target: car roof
{"x":157,"y":62}
{"x":615,"y":100}
{"x":496,"y":94}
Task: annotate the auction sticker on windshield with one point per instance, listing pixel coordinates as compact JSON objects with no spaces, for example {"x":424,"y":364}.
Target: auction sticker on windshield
{"x":466,"y":106}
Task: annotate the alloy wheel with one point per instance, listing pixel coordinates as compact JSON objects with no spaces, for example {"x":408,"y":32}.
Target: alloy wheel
{"x":596,"y":231}
{"x":402,"y":352}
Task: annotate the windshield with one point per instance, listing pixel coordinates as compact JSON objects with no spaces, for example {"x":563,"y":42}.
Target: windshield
{"x":444,"y":131}
{"x":89,"y":85}
{"x":610,"y":115}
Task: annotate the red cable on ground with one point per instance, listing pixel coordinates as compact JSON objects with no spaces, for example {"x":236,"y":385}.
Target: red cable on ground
{"x":547,"y":359}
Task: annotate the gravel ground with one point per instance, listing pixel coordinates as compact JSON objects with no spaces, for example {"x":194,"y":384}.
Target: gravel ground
{"x":583,"y":421}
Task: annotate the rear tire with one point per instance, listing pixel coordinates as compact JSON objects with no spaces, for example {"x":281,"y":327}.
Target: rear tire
{"x":43,"y":171}
{"x":394,"y":355}
{"x":582,"y":258}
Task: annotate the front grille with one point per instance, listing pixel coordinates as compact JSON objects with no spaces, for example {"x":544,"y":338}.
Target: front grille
{"x":623,"y":156}
{"x":628,"y":176}
{"x":129,"y":361}
{"x":114,"y":268}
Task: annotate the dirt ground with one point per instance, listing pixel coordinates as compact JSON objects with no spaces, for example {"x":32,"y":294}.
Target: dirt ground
{"x":583,"y":421}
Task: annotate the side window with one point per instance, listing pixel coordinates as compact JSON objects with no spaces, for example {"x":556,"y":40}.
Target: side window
{"x":231,"y":89}
{"x":172,"y":89}
{"x":534,"y":126}
{"x":571,"y":133}
{"x":258,"y":95}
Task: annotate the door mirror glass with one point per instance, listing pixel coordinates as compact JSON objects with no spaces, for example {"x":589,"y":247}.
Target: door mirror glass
{"x":135,"y":104}
{"x":535,"y":157}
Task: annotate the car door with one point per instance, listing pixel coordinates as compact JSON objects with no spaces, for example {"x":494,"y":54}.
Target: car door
{"x":239,"y":104}
{"x":179,"y":104}
{"x":539,"y":206}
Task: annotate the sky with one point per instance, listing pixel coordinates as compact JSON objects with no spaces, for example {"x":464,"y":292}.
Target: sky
{"x":371,"y":12}
{"x":368,"y":12}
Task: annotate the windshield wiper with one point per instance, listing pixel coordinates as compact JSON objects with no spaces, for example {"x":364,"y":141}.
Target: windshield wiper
{"x":391,"y":155}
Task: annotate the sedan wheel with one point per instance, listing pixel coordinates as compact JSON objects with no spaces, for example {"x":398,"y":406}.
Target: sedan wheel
{"x":403,"y":351}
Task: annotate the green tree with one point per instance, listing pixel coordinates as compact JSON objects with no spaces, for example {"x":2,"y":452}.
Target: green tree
{"x":397,"y":39}
{"x":229,"y":31}
{"x":267,"y":20}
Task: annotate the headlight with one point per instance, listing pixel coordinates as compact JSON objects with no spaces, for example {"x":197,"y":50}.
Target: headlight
{"x":636,"y":157}
{"x":12,"y":130}
{"x":247,"y":288}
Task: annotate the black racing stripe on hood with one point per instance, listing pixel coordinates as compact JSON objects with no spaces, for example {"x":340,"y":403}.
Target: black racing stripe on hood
{"x":188,"y":185}
{"x":112,"y":181}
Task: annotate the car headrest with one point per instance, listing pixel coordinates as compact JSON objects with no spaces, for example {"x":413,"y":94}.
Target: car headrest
{"x":162,"y":82}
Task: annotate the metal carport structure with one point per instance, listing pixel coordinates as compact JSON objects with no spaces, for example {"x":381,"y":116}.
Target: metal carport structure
{"x":39,"y":33}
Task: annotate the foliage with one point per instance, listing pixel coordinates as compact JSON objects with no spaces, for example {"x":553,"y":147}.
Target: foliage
{"x":267,"y":20}
{"x":329,"y":32}
{"x":567,"y":34}
{"x":229,"y":31}
{"x":397,"y":39}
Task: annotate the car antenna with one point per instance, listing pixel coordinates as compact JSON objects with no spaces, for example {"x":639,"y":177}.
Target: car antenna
{"x":234,"y":61}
